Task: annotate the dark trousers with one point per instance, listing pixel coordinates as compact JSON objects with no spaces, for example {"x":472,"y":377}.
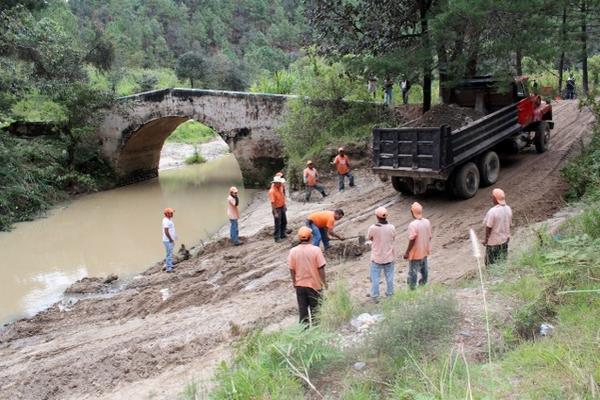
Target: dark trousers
{"x":497,"y":253}
{"x":280,"y":223}
{"x":307,"y":298}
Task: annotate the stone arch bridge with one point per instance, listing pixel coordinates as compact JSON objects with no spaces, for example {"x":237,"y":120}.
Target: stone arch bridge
{"x":135,"y":129}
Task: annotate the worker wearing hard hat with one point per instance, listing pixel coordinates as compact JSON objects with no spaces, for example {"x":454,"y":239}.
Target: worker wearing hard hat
{"x":419,"y":244}
{"x":321,"y":223}
{"x":168,"y":237}
{"x":277,"y":199}
{"x":310,"y":177}
{"x":497,"y":223}
{"x":382,"y":235}
{"x":233,"y":214}
{"x":307,"y":269}
{"x":342,"y":165}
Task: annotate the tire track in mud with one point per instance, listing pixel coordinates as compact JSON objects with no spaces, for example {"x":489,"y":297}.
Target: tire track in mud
{"x":102,"y":348}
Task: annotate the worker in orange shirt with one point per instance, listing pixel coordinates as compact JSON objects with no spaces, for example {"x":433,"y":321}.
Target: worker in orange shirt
{"x":419,"y":244}
{"x":310,"y":177}
{"x":321,"y":224}
{"x":282,"y":189}
{"x":342,"y":165}
{"x":307,"y":268}
{"x":497,"y":228}
{"x":277,"y":199}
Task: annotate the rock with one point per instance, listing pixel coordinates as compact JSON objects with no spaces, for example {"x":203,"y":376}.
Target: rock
{"x":466,"y":334}
{"x":87,"y":286}
{"x":165,"y":293}
{"x":111,"y":278}
{"x":359,"y":365}
{"x":365,"y":320}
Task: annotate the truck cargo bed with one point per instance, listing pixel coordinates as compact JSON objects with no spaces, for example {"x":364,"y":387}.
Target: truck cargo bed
{"x":433,"y":152}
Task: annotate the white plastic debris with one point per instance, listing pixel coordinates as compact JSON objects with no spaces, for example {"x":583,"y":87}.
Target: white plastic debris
{"x":365,"y":320}
{"x":546,"y":329}
{"x":359,"y":365}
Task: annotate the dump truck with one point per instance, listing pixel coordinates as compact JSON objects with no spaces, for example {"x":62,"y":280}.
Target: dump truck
{"x":459,"y":161}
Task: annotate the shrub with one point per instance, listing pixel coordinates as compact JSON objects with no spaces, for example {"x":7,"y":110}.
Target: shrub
{"x":336,"y":307}
{"x":195,"y":158}
{"x":416,"y":323}
{"x":266,"y":365}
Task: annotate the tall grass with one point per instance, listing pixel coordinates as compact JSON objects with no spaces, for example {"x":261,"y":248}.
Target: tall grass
{"x":275,"y":365}
{"x":336,"y":307}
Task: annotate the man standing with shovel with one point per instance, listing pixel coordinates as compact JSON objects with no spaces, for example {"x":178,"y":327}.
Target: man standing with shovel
{"x":382,"y":235}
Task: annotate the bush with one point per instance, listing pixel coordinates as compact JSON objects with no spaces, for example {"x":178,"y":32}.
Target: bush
{"x":196,"y":158}
{"x":336,"y":307}
{"x":265,"y":365}
{"x":415,"y":324}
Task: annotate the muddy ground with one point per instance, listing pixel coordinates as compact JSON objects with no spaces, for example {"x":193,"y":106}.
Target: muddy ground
{"x":162,"y":331}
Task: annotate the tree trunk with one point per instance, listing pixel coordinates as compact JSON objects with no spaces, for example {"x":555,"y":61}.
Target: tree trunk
{"x":563,"y":41}
{"x":443,"y":73}
{"x":427,"y":61}
{"x":584,"y":51}
{"x":192,"y":82}
{"x":519,"y":62}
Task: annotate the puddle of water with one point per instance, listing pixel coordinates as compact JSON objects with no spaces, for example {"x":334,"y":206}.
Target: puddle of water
{"x":116,"y":231}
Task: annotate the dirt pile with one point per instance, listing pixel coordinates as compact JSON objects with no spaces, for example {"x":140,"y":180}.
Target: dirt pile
{"x":446,"y":114}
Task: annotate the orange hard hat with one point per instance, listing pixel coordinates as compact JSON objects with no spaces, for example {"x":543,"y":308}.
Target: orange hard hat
{"x":168,"y":211}
{"x":417,"y":209}
{"x":381,"y":212}
{"x":499,"y":195}
{"x":304,"y":233}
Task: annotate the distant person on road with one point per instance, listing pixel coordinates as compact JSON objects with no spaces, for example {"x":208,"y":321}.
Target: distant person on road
{"x":342,"y":165}
{"x":382,"y":235}
{"x":570,"y":93}
{"x":307,"y":268}
{"x":497,"y":228}
{"x":535,"y":87}
{"x":388,"y":86}
{"x":372,"y":87}
{"x":311,"y":180}
{"x":233,"y":214}
{"x":405,"y":86}
{"x":321,"y":223}
{"x":168,"y":237}
{"x":277,"y":199}
{"x":419,"y":245}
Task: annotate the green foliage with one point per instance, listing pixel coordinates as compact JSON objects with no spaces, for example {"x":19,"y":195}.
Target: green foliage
{"x":336,"y":307}
{"x":195,"y":158}
{"x":192,"y":132}
{"x":265,"y":365}
{"x":38,"y":108}
{"x":416,"y":323}
{"x":146,"y":82}
{"x":190,"y":65}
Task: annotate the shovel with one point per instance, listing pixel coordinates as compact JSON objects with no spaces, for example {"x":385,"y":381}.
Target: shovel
{"x":361,"y":239}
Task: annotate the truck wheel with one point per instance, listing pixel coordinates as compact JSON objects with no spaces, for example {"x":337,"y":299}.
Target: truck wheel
{"x":542,"y":137}
{"x":466,"y":181}
{"x":489,"y":168}
{"x":401,"y":185}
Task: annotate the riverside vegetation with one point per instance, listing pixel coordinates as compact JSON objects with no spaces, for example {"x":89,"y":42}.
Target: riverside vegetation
{"x":410,"y":353}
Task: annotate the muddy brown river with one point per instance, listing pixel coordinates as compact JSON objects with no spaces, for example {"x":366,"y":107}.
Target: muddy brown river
{"x":116,"y":231}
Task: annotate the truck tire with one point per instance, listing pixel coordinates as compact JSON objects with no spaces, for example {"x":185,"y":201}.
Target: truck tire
{"x":489,"y":168}
{"x":466,"y":181}
{"x":401,"y":185}
{"x":542,"y":137}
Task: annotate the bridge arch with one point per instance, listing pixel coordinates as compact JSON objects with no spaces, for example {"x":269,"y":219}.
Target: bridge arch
{"x":135,"y":129}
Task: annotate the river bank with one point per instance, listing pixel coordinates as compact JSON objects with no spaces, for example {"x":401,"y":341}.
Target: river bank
{"x":164,"y":330}
{"x":173,"y":155}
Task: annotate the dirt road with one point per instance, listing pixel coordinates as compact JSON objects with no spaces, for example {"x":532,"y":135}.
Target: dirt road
{"x":162,"y":331}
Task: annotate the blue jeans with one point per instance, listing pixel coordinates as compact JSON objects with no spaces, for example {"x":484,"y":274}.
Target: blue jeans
{"x":318,"y":235}
{"x":341,"y":180}
{"x":280,"y":221}
{"x":233,"y":231}
{"x":388,"y":271}
{"x":415,"y":267}
{"x":169,"y":257}
{"x":387,"y":98}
